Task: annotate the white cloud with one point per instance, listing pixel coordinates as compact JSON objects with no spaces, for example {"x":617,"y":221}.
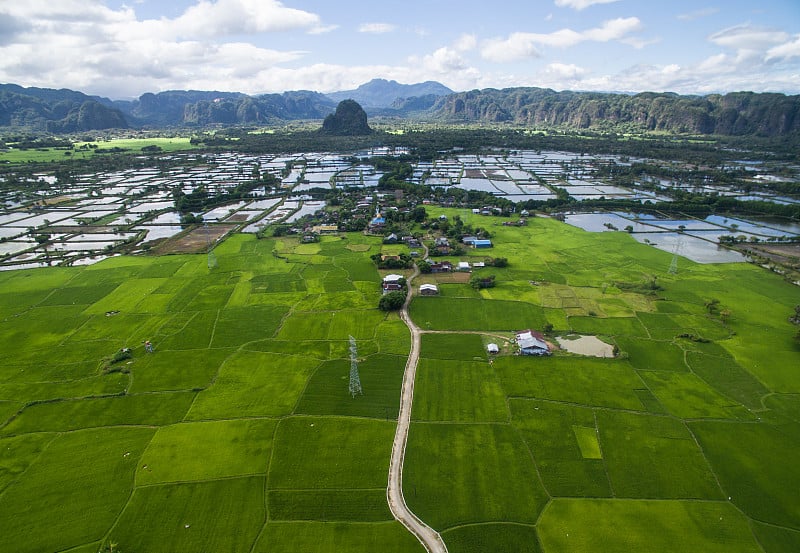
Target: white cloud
{"x":786,"y":50}
{"x":697,"y":14}
{"x":565,"y":70}
{"x":581,"y":4}
{"x":613,"y":29}
{"x":517,"y":46}
{"x":85,"y":45}
{"x":376,"y":28}
{"x":748,"y":37}
{"x":524,"y":45}
{"x":465,"y":43}
{"x":639,"y":43}
{"x":230,"y":17}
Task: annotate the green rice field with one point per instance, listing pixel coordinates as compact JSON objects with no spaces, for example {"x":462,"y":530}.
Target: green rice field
{"x":238,"y":432}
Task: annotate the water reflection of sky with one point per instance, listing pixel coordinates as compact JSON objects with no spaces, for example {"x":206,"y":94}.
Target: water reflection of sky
{"x":154,"y":232}
{"x":689,"y":245}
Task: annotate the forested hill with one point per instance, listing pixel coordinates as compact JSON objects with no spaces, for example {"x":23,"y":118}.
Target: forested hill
{"x":738,"y":113}
{"x":199,"y":108}
{"x":56,"y":111}
{"x":64,"y":111}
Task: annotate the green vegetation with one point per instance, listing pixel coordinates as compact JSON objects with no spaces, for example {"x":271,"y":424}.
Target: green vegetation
{"x":238,"y":432}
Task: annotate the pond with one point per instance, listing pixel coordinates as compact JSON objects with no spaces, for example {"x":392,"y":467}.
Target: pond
{"x":585,"y":345}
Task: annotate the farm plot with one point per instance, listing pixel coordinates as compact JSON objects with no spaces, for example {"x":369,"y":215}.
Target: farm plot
{"x":657,"y":526}
{"x":584,"y":381}
{"x":241,"y":435}
{"x":445,"y":313}
{"x":458,"y":391}
{"x":206,"y":451}
{"x":318,"y":537}
{"x":73,"y":492}
{"x":467,"y":473}
{"x":548,"y":429}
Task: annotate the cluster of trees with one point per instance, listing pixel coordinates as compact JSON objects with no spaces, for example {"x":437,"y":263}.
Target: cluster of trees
{"x":402,"y":261}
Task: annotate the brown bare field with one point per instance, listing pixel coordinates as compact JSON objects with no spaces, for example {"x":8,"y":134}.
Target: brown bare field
{"x":194,"y":241}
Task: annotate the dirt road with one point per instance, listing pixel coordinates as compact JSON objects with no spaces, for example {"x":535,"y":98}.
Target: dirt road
{"x":429,"y":537}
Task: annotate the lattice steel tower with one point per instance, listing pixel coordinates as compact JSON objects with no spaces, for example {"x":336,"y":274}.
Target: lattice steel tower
{"x":355,"y":381}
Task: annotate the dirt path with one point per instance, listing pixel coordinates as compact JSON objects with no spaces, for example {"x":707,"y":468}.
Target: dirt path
{"x":427,"y":536}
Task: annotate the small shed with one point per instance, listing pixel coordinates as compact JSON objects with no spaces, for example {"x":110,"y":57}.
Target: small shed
{"x":464,"y":266}
{"x":493,"y":348}
{"x":428,"y":290}
{"x":482,"y":243}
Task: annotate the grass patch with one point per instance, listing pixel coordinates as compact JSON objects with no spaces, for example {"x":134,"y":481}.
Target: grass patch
{"x":73,"y":492}
{"x":657,"y":526}
{"x":443,"y":313}
{"x":548,"y":430}
{"x":755,"y":464}
{"x":207,"y":450}
{"x":252,"y":384}
{"x":654,"y":457}
{"x":328,"y":393}
{"x":452,"y":346}
{"x":63,"y":416}
{"x":458,"y":391}
{"x":585,"y":381}
{"x":320,"y":537}
{"x":223,"y":515}
{"x":464,"y":473}
{"x":318,"y":453}
{"x":587,"y":442}
{"x":688,"y":397}
{"x":329,"y":505}
{"x":477,"y":538}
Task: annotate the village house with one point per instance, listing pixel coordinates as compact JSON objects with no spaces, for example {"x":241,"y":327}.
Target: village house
{"x":392,"y":283}
{"x":464,"y":266}
{"x":391,"y":287}
{"x":531,"y":342}
{"x":441,"y":266}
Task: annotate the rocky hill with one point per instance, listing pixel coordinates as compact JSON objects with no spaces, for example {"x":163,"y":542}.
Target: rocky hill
{"x":57,"y":111}
{"x":738,"y":113}
{"x":349,"y":119}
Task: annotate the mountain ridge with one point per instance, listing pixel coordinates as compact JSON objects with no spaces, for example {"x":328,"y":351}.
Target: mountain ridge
{"x":734,"y":113}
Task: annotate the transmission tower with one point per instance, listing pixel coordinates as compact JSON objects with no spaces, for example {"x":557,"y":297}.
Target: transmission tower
{"x":673,"y":266}
{"x":212,"y":259}
{"x":355,"y":381}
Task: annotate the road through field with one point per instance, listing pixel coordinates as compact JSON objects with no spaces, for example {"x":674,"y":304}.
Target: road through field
{"x":429,"y":537}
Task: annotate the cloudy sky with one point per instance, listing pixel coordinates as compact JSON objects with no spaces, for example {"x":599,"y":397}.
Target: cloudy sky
{"x":122,"y":49}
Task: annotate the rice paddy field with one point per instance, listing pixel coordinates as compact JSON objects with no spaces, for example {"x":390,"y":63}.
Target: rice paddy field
{"x":238,"y":433}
